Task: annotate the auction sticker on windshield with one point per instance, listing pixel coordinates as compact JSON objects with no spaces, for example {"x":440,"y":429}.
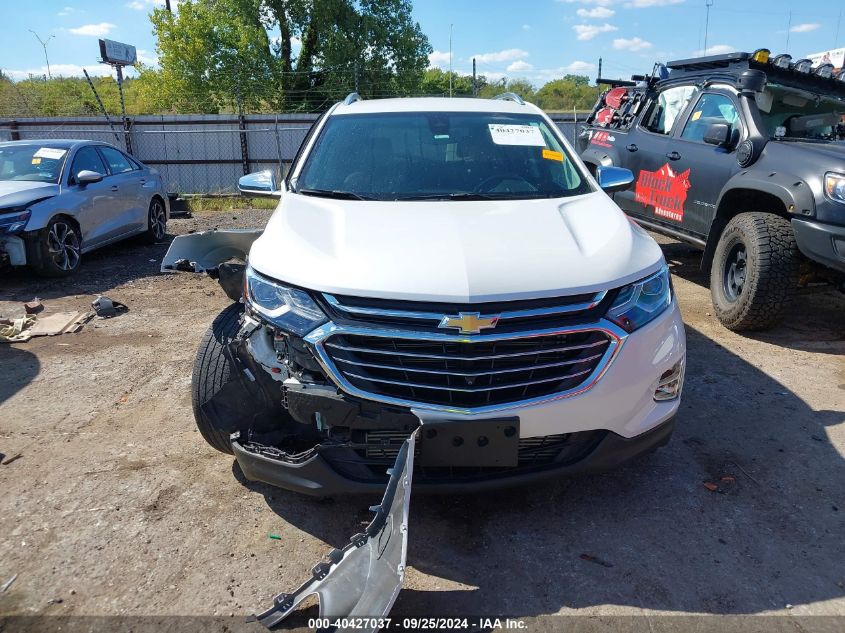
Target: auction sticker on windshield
{"x":49,"y":152}
{"x":510,"y":134}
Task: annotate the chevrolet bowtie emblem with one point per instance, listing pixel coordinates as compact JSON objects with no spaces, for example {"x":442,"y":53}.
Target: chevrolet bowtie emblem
{"x":469,"y":322}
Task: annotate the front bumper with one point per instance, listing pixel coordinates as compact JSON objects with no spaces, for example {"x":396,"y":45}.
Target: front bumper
{"x":12,"y":250}
{"x":824,"y":243}
{"x":615,"y":420}
{"x":315,"y":476}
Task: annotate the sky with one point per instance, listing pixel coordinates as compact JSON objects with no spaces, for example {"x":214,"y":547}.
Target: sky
{"x":533,"y":39}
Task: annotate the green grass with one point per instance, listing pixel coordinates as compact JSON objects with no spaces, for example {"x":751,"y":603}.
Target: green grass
{"x":229,"y":203}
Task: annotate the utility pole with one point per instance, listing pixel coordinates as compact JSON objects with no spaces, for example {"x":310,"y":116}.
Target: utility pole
{"x":474,"y":80}
{"x":167,"y":6}
{"x":599,"y":77}
{"x":44,"y":46}
{"x":708,"y":4}
{"x":836,"y":37}
{"x":788,"y":29}
{"x":450,"y":60}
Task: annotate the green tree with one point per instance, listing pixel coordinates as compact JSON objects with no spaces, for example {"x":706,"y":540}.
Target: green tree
{"x":220,"y":54}
{"x":571,"y":91}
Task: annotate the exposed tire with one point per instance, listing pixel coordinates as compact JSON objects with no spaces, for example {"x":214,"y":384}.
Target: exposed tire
{"x":754,"y":272}
{"x":156,"y":222}
{"x":60,"y":244}
{"x":212,"y":372}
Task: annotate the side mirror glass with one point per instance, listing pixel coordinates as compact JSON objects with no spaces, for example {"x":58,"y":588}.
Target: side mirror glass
{"x":260,"y":183}
{"x":87,"y":177}
{"x":613,"y":179}
{"x":718,"y":134}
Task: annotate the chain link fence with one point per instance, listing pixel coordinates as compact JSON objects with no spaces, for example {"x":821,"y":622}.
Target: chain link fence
{"x":196,"y":154}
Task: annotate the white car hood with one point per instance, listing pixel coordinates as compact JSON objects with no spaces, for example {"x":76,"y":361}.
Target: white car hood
{"x":454,"y":251}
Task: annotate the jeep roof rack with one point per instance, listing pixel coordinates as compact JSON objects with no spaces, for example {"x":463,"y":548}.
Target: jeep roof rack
{"x":509,"y":96}
{"x":351,"y":98}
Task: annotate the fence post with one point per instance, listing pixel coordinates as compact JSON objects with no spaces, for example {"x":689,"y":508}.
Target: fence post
{"x":14,"y":134}
{"x":127,"y":137}
{"x":244,"y":144}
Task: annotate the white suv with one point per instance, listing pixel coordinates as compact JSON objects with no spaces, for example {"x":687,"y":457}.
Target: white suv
{"x":442,"y":264}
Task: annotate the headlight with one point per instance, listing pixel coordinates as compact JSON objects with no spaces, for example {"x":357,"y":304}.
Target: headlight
{"x":834,"y":186}
{"x":13,"y":221}
{"x":643,"y":301}
{"x":288,"y":308}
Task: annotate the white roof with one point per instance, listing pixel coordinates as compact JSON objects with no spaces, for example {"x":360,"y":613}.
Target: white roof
{"x":436,"y":104}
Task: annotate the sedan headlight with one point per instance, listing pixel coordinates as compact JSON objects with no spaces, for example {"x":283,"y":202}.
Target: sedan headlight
{"x":13,"y":221}
{"x":642,"y":301}
{"x":834,"y":186}
{"x":288,"y":308}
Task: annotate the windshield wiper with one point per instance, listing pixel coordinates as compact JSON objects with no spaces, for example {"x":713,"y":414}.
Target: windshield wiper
{"x":332,"y":193}
{"x":461,"y":195}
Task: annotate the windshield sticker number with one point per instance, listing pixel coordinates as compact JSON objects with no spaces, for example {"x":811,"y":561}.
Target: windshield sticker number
{"x":552,"y":155}
{"x":49,"y":152}
{"x":503,"y":134}
{"x":36,"y":161}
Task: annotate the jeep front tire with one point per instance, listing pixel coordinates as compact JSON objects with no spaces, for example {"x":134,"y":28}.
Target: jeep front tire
{"x":754,"y":272}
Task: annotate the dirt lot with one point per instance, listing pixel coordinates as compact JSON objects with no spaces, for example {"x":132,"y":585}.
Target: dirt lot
{"x":116,"y":506}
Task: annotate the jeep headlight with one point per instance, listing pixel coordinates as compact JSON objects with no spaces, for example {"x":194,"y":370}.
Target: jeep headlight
{"x":642,"y":301}
{"x":290,"y":309}
{"x":834,"y":186}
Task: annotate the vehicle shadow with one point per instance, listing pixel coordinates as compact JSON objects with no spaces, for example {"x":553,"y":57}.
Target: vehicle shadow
{"x":100,"y":271}
{"x":649,"y":535}
{"x":813,"y":322}
{"x":18,"y":368}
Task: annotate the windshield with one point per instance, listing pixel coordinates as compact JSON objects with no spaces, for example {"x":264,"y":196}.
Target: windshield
{"x":798,"y":114}
{"x":439,"y":155}
{"x":37,"y":163}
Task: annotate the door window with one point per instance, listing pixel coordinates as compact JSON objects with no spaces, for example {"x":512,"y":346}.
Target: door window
{"x":667,"y":108}
{"x":118,"y":163}
{"x":709,"y":110}
{"x":87,"y":158}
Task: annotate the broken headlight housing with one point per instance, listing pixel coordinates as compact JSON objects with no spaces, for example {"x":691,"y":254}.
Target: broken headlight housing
{"x":642,"y":301}
{"x":289,"y":309}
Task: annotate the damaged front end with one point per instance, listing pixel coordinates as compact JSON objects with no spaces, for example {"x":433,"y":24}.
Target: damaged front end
{"x":363,"y":579}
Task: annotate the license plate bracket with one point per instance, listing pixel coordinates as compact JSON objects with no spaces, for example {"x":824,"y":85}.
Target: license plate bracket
{"x":479,"y":443}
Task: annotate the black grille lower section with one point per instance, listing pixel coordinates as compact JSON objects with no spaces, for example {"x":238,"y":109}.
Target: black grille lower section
{"x":467,"y":374}
{"x":375,"y":451}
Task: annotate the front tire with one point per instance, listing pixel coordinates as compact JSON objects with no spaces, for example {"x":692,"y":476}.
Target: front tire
{"x":212,"y":371}
{"x":754,"y":272}
{"x":156,"y":222}
{"x":60,"y":244}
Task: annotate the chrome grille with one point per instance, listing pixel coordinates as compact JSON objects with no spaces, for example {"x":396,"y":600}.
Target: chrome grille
{"x":465,"y":373}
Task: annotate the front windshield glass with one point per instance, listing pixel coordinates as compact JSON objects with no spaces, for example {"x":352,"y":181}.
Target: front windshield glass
{"x":798,"y":114}
{"x":36,"y":163}
{"x":439,"y":155}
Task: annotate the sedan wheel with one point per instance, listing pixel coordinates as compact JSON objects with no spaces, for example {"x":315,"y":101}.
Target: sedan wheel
{"x":63,"y":246}
{"x":158,"y":220}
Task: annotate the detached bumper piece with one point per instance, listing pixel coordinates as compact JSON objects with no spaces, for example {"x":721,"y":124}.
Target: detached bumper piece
{"x":363,"y":579}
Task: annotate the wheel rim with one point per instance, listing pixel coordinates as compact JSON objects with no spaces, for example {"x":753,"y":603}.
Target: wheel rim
{"x":158,"y":221}
{"x":736,"y":266}
{"x":63,"y":245}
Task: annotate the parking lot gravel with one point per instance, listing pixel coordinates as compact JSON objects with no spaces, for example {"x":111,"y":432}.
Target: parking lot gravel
{"x":117,"y":507}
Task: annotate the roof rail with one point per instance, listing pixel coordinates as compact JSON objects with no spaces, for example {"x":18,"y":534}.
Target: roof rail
{"x":351,"y":98}
{"x":510,"y":96}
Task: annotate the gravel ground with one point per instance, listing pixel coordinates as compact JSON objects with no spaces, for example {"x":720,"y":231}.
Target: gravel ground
{"x":117,"y":507}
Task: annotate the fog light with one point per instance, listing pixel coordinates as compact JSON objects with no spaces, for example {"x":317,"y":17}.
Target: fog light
{"x":670,"y":383}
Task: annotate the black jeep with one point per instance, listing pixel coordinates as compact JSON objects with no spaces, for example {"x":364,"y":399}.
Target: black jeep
{"x":741,"y":155}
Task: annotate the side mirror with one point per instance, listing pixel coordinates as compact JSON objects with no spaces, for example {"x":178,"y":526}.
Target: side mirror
{"x":718,"y":134}
{"x":613,"y":179}
{"x":88,"y":177}
{"x":260,"y":184}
